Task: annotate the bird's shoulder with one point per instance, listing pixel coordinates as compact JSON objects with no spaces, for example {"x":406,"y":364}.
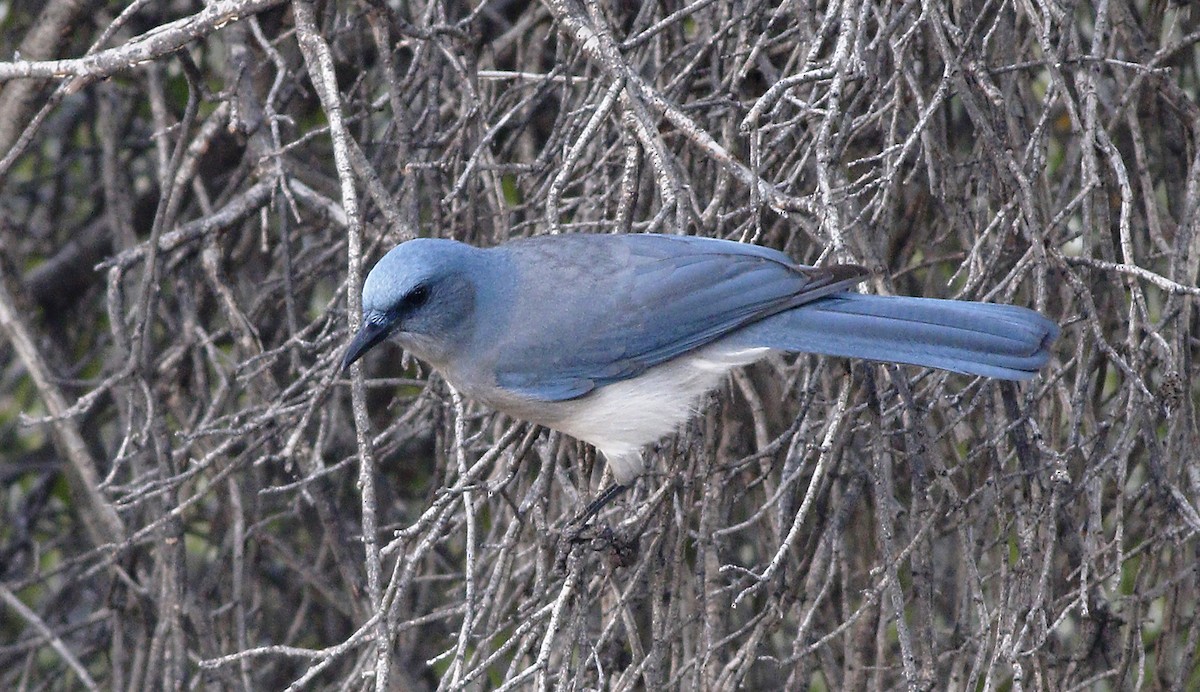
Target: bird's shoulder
{"x":625,"y":248}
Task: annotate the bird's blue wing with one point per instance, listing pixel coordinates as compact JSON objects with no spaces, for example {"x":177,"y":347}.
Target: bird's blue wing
{"x":592,"y":309}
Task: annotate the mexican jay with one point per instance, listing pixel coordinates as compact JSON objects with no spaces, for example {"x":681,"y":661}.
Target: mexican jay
{"x":614,"y":339}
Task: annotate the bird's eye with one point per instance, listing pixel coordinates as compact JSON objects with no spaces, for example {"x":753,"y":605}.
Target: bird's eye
{"x":416,"y":298}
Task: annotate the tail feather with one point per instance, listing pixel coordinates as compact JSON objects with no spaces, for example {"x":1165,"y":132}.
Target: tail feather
{"x":1002,"y":341}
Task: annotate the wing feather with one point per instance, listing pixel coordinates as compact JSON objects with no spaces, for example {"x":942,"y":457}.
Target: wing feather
{"x":610,"y":306}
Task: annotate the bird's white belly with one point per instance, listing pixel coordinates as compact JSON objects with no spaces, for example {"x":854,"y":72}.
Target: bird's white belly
{"x":622,"y":417}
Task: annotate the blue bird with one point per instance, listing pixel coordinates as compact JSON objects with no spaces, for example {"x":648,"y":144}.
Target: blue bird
{"x":614,"y":339}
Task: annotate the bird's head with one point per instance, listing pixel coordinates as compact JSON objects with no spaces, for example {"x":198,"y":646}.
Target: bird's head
{"x":423,"y":293}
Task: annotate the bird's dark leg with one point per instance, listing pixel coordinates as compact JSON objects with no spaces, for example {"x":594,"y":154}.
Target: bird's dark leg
{"x":596,"y":505}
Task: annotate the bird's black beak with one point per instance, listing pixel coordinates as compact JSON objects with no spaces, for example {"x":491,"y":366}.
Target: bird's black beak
{"x":370,"y":334}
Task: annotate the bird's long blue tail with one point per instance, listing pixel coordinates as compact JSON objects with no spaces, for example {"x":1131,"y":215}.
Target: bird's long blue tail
{"x":1003,"y":341}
